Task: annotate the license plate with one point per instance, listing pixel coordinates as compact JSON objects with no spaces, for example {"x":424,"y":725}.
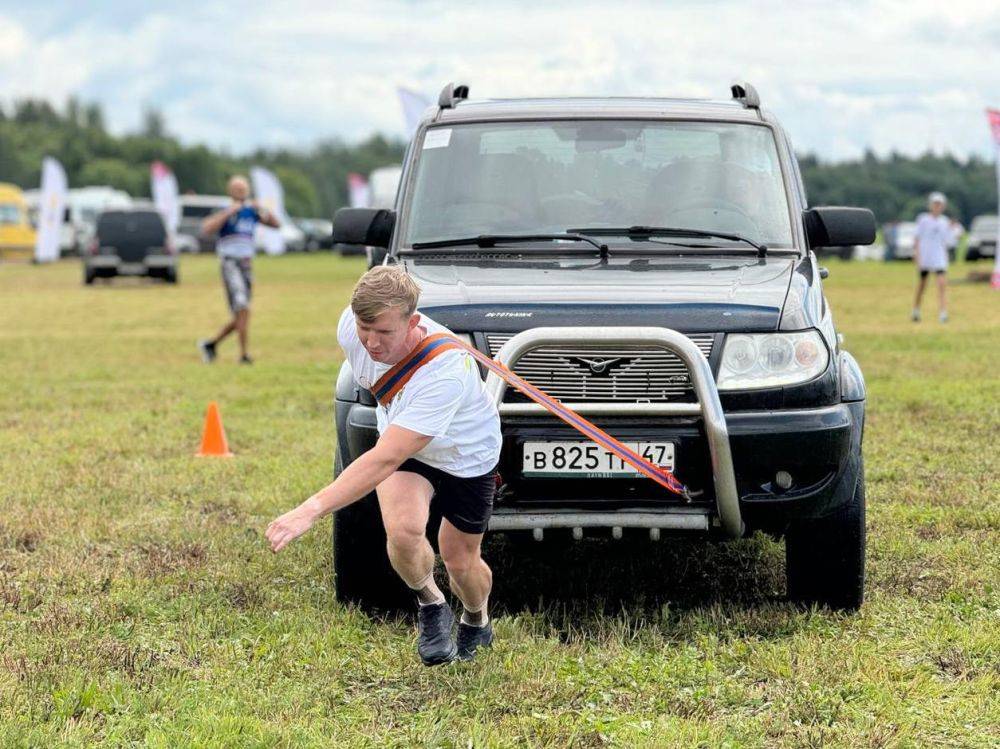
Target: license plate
{"x":589,"y":460}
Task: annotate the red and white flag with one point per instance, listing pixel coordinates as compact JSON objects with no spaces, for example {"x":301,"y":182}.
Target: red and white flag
{"x":163,"y":186}
{"x":359,"y":194}
{"x":993,"y":115}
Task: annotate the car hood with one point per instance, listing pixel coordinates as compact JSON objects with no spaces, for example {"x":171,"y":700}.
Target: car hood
{"x":718,"y":293}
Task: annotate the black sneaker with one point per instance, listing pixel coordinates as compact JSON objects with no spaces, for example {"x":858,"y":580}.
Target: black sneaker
{"x":207,"y":349}
{"x":434,"y":643}
{"x":471,"y":637}
{"x":246,"y":359}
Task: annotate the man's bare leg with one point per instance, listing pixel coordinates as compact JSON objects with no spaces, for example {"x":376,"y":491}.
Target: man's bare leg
{"x":468,"y":574}
{"x":242,"y":325}
{"x":405,"y":500}
{"x":226,"y":329}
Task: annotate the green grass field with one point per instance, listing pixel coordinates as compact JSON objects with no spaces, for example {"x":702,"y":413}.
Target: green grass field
{"x":139,"y":606}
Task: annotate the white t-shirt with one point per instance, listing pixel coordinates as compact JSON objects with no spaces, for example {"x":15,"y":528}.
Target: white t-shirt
{"x":445,"y":399}
{"x":934,"y":235}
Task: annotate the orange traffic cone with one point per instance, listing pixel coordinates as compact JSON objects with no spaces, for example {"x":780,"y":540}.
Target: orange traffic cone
{"x":213,"y":438}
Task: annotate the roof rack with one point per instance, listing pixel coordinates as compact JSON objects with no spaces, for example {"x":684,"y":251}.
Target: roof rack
{"x":452,"y":94}
{"x":746,"y":95}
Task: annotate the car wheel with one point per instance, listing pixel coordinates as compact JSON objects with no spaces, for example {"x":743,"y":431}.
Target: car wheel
{"x":971,"y":256}
{"x":88,"y":276}
{"x":825,"y":557}
{"x":362,"y":574}
{"x":171,"y":276}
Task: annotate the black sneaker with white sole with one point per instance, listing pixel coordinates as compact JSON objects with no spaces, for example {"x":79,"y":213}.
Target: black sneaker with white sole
{"x":434,"y":643}
{"x":471,"y":637}
{"x":207,"y":349}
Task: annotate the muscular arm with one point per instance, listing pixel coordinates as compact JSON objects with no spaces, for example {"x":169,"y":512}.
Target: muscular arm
{"x":358,"y":479}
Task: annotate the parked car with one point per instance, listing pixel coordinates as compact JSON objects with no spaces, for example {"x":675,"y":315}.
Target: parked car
{"x":651,"y":263}
{"x":294,"y":237}
{"x":982,"y":238}
{"x":318,"y":232}
{"x":17,"y":236}
{"x":194,"y":210}
{"x":900,"y":238}
{"x":130,"y":242}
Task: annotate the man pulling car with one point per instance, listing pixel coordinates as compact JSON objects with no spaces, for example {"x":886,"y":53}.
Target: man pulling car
{"x":439,"y":443}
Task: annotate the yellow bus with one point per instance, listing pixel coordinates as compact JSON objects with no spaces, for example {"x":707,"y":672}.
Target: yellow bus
{"x":17,"y":237}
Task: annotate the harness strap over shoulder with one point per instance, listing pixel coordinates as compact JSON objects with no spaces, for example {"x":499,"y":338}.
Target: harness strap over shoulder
{"x":432,"y":346}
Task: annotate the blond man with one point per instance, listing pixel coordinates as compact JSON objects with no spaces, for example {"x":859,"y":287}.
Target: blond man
{"x":235,"y":226}
{"x":439,"y":444}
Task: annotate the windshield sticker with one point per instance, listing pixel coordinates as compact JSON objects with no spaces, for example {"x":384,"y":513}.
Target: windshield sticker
{"x":437,"y":138}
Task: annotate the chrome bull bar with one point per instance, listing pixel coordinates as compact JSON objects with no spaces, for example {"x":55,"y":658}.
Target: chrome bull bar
{"x":708,"y":407}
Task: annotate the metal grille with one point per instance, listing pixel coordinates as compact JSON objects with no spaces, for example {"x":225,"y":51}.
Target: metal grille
{"x":616,"y":374}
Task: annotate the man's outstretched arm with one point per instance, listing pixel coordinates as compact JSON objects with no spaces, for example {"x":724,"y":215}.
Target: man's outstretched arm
{"x":358,"y":479}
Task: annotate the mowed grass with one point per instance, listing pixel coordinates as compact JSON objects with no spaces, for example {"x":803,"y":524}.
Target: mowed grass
{"x":139,"y":605}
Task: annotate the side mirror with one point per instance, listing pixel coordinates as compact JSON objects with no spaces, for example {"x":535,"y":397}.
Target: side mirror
{"x":832,"y":226}
{"x":365,"y":226}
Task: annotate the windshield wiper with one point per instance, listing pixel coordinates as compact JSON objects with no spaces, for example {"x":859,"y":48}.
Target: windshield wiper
{"x":642,"y":232}
{"x":492,"y":240}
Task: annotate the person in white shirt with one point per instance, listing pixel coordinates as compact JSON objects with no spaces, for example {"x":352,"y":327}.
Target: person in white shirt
{"x":439,"y":442}
{"x":930,"y":251}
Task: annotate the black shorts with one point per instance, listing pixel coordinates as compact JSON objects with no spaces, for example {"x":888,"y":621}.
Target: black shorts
{"x":467,"y":503}
{"x":939,"y":271}
{"x":237,"y":277}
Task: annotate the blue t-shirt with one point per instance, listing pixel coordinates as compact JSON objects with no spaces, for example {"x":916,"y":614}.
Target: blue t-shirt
{"x":236,"y":235}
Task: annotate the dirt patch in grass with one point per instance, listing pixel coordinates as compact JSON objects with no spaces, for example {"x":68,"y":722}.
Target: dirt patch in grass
{"x":23,"y":540}
{"x":244,"y":596}
{"x":157,"y":558}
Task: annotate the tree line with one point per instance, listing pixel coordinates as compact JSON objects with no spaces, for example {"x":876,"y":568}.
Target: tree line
{"x":315,"y":179}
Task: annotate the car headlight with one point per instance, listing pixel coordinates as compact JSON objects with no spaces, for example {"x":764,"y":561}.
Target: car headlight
{"x":768,"y":360}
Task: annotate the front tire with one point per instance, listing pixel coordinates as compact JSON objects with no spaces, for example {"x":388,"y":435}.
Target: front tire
{"x":825,"y":557}
{"x":88,"y":276}
{"x":362,"y":574}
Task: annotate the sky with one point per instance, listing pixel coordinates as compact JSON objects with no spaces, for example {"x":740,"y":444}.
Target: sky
{"x":843,"y":77}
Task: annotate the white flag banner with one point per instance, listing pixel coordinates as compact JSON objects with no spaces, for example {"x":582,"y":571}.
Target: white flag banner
{"x":163,"y":185}
{"x":51,"y":207}
{"x":994,"y":118}
{"x":358,"y":192}
{"x":267,"y":190}
{"x":413,"y":105}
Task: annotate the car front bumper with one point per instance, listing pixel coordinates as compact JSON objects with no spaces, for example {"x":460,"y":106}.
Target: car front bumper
{"x":730,"y":461}
{"x":114,"y":265}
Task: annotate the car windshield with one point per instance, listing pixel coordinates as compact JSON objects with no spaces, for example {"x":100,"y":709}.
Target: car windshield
{"x":984,"y":224}
{"x":9,"y":213}
{"x":131,"y":226}
{"x":547,"y":177}
{"x":199,"y":211}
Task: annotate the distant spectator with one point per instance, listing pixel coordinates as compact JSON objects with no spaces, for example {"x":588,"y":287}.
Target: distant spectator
{"x":930,"y":251}
{"x":235,"y":247}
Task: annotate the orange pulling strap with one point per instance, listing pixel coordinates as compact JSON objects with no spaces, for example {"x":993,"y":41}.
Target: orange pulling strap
{"x":433,"y":346}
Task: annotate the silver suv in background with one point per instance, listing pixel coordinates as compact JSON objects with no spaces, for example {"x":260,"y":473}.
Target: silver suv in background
{"x":982,"y":238}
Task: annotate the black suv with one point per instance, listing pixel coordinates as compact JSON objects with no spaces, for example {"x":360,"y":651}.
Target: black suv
{"x":651,"y":263}
{"x":130,"y":242}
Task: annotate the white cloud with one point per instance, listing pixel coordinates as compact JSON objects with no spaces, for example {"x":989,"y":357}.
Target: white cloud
{"x":886,"y":74}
